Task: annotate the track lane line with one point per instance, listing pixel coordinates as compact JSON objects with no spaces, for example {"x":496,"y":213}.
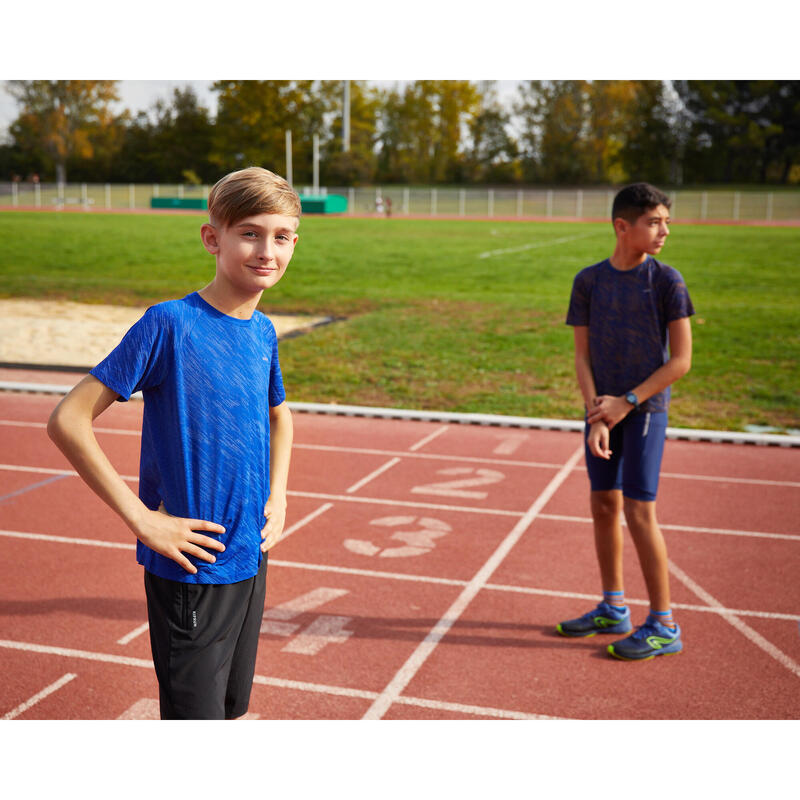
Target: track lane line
{"x":374,"y":474}
{"x":429,"y":438}
{"x":743,"y":628}
{"x":413,"y":577}
{"x":46,"y":692}
{"x":414,"y":663}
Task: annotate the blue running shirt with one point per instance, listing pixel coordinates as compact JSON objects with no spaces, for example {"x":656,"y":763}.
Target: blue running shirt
{"x":208,"y":381}
{"x":627,"y":313}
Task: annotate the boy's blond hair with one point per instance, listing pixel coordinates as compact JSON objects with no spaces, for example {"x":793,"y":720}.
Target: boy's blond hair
{"x":254,"y":190}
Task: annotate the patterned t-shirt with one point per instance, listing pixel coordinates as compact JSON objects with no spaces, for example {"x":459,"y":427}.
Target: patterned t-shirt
{"x":627,"y":312}
{"x":208,"y":381}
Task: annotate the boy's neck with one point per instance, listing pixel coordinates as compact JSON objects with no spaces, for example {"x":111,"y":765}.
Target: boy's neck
{"x":625,"y":259}
{"x":230,"y":303}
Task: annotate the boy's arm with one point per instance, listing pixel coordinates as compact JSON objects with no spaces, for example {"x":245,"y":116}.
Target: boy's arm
{"x":612,"y":409}
{"x":281,"y":433}
{"x":598,"y":431}
{"x":70,"y":427}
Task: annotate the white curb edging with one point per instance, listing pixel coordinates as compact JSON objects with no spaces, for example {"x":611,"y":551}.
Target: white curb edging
{"x":495,"y":420}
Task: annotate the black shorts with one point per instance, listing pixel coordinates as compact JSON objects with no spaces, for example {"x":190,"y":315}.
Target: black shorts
{"x":204,"y":639}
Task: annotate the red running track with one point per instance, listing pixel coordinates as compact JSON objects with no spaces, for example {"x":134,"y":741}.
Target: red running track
{"x":423,"y":570}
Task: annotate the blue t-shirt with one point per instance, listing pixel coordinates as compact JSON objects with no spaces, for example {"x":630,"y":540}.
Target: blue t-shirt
{"x":208,"y":381}
{"x":627,"y":313}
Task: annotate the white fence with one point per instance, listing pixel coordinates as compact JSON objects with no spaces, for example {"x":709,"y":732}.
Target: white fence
{"x":744,"y":206}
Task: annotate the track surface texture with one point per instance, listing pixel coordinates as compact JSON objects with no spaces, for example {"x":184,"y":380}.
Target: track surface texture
{"x":422,"y":573}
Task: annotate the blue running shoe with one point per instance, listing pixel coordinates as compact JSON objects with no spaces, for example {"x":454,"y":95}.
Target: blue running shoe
{"x":603,"y":619}
{"x":648,"y":641}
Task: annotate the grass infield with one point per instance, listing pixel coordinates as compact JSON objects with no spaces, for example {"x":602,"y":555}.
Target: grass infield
{"x":450,"y":315}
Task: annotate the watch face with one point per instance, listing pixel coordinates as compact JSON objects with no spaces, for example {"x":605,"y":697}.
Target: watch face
{"x":631,"y":398}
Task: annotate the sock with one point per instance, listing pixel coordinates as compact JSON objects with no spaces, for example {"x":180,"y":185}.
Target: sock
{"x":615,"y":599}
{"x":665,"y":618}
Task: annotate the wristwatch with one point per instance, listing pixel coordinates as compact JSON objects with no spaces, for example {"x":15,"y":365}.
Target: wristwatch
{"x":632,"y":399}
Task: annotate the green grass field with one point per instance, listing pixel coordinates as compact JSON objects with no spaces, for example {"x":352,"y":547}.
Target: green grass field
{"x":433,"y":322}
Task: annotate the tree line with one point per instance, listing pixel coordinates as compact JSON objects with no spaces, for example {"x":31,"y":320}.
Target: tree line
{"x":568,"y":132}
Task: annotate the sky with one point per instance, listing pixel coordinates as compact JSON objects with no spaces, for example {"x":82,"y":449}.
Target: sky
{"x":504,"y":41}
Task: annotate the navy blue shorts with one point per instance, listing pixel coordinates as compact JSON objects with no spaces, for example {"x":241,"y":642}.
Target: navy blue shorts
{"x":637,"y":445}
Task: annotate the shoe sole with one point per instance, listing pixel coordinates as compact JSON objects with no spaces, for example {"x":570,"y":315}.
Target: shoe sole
{"x":643,"y":658}
{"x":588,"y":634}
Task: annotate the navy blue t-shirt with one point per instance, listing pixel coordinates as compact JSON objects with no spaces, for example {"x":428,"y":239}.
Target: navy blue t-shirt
{"x":208,"y":381}
{"x":627,"y":313}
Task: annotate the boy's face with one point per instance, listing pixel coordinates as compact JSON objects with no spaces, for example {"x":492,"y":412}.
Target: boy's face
{"x":649,"y":232}
{"x":253,"y":253}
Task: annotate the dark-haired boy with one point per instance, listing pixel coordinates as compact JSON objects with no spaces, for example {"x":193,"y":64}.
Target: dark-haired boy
{"x":633,"y":339}
{"x":216,"y":443}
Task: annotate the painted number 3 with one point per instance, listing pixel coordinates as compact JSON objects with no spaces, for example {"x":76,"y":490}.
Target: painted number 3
{"x":418,"y":534}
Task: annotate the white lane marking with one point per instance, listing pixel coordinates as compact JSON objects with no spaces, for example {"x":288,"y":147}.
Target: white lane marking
{"x":509,"y":443}
{"x":19,"y":424}
{"x":146,"y":708}
{"x":635,"y":602}
{"x":482,"y":711}
{"x":422,"y":442}
{"x":444,"y":457}
{"x":305,"y":602}
{"x":406,"y":503}
{"x":50,"y":471}
{"x":129,"y":637}
{"x":67,"y":652}
{"x":48,"y":690}
{"x":415,"y":661}
{"x":364,"y":481}
{"x":686,"y":528}
{"x":399,"y":576}
{"x":303,"y":522}
{"x":743,"y":628}
{"x":536,"y":245}
{"x":43,"y":537}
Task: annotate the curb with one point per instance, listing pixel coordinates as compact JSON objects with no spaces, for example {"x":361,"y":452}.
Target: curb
{"x":493,"y":420}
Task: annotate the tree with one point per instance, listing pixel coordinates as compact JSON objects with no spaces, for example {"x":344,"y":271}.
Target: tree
{"x":356,"y":166}
{"x":493,"y":152}
{"x":60,"y":120}
{"x":253,"y":117}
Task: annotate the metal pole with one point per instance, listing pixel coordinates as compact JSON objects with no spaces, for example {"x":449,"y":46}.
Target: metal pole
{"x":346,"y":117}
{"x":316,"y":163}
{"x":289,"y":157}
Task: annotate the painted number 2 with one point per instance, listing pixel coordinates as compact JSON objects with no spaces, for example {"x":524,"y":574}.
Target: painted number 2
{"x":462,"y":487}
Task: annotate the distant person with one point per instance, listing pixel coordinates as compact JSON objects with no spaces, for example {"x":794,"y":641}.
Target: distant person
{"x":379,"y":204}
{"x":388,"y":207}
{"x":633,"y":339}
{"x":216,"y":441}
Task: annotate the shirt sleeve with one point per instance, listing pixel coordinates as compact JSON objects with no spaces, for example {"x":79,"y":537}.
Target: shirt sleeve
{"x":677,"y":303}
{"x":137,"y":362}
{"x":277,"y":394}
{"x":578,"y":311}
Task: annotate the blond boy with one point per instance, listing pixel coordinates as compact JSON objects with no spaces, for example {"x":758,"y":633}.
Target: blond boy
{"x":216,"y":441}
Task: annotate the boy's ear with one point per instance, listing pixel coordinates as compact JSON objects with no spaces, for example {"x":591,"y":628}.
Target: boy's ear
{"x":208,"y":234}
{"x":620,"y":225}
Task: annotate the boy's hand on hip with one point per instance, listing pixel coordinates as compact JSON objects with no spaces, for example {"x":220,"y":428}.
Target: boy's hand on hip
{"x":608,"y":409}
{"x":275,"y":512}
{"x":598,"y":440}
{"x":173,"y":536}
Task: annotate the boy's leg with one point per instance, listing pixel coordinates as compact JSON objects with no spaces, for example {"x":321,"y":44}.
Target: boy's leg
{"x":243,"y":666}
{"x":611,"y":615}
{"x":651,"y":550}
{"x":608,"y":537}
{"x":644,"y":447}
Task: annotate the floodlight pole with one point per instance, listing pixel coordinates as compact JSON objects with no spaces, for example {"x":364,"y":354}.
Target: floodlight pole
{"x":316,"y":163}
{"x":346,"y":117}
{"x":289,"y":157}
